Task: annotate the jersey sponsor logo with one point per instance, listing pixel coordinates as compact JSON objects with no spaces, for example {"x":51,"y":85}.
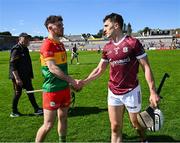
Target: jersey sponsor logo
{"x":52,"y":104}
{"x":125,"y":49}
{"x":120,"y":62}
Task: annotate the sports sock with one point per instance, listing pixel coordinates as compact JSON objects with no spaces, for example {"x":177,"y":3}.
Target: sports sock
{"x":62,"y":139}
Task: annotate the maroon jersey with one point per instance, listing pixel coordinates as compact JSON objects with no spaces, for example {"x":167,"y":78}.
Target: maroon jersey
{"x":123,"y":58}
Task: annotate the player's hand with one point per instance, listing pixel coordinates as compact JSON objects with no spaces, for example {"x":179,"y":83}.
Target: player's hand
{"x":154,"y":99}
{"x":77,"y":86}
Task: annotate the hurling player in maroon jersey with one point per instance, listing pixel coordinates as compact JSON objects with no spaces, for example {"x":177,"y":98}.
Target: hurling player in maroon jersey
{"x":124,"y":54}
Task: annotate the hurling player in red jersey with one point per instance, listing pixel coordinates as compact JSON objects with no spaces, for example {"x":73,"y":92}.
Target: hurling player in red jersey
{"x":56,"y":90}
{"x":124,"y":54}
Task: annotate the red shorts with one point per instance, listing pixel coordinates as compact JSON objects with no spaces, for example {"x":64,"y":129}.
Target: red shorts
{"x":54,"y":100}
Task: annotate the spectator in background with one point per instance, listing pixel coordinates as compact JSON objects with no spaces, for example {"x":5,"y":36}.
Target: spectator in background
{"x":99,"y":49}
{"x":162,"y":45}
{"x":21,"y":73}
{"x":74,"y":54}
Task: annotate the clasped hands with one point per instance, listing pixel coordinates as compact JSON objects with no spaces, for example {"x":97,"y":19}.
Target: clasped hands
{"x":78,"y":85}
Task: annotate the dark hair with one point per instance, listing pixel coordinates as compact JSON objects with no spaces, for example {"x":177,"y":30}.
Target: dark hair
{"x":114,"y":17}
{"x":24,"y":35}
{"x":52,"y":19}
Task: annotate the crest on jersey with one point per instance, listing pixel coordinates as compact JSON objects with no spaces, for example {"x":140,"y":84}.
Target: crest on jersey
{"x":63,"y":58}
{"x":125,"y":49}
{"x":52,"y":104}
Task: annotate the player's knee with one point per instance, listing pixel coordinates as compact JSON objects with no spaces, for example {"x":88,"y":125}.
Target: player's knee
{"x":48,"y":126}
{"x":136,"y":125}
{"x":115,"y":127}
{"x":63,"y":119}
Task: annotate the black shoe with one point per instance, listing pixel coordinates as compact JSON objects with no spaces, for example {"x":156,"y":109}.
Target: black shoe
{"x":39,"y":111}
{"x":15,"y":114}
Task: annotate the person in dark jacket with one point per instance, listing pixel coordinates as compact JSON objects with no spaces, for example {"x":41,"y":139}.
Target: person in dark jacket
{"x":21,"y":74}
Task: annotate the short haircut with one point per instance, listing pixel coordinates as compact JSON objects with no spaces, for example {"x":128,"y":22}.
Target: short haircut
{"x":52,"y":19}
{"x":114,"y":17}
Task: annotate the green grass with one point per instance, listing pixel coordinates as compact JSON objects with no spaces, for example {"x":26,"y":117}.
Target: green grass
{"x":89,"y":120}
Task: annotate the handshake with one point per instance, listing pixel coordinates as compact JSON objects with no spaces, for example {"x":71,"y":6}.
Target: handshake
{"x":77,"y":85}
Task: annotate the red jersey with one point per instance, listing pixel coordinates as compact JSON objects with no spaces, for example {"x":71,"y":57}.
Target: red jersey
{"x":123,"y":58}
{"x":53,"y":50}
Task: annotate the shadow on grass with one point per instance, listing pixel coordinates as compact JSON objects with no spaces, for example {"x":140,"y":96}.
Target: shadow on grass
{"x":82,"y":111}
{"x":151,"y":138}
{"x":76,"y":111}
{"x":32,"y":115}
{"x":161,"y":138}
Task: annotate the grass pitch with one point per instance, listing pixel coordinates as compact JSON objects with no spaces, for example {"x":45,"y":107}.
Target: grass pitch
{"x":89,"y":121}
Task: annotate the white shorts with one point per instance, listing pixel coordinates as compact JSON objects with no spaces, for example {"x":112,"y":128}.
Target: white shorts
{"x":131,"y":100}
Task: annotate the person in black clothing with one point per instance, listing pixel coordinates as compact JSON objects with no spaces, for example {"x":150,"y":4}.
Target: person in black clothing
{"x":21,"y":74}
{"x":74,"y":54}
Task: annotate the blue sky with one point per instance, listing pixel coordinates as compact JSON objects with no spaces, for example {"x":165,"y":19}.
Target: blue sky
{"x":85,"y":16}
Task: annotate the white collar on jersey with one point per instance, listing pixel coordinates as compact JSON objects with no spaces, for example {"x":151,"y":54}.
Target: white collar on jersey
{"x":119,"y":41}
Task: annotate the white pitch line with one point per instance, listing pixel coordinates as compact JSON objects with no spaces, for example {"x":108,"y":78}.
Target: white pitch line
{"x":33,"y":91}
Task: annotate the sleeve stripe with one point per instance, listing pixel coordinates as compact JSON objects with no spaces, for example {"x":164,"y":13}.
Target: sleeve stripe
{"x":104,"y":60}
{"x":141,"y":56}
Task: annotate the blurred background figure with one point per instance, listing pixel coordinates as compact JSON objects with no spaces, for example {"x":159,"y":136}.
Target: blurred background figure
{"x":74,"y":54}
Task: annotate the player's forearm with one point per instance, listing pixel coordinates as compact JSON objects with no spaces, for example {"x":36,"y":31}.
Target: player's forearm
{"x":93,"y":75}
{"x":150,"y":79}
{"x":148,"y":74}
{"x":154,"y":98}
{"x":60,"y":74}
{"x":97,"y":72}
